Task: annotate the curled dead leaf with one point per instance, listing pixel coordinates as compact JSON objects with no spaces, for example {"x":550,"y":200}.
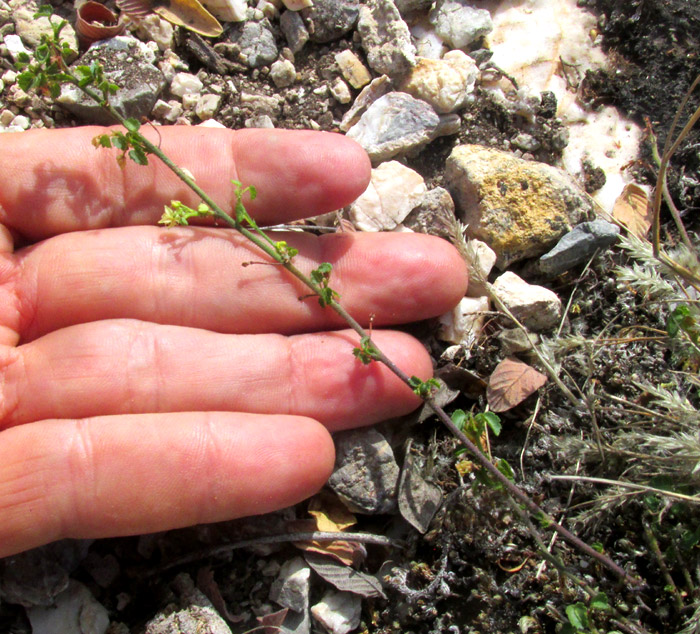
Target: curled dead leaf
{"x":96,"y":22}
{"x":511,"y":383}
{"x":634,"y":210}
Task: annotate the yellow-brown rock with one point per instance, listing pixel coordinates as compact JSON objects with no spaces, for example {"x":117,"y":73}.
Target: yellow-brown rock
{"x":444,"y":83}
{"x":519,"y":208}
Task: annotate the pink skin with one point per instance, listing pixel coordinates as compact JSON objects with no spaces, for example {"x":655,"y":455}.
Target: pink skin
{"x":147,"y":379}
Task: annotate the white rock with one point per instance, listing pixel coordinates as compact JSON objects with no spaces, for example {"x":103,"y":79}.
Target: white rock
{"x":190,"y":100}
{"x":227,"y":10}
{"x":20,"y":122}
{"x":75,"y":611}
{"x":444,"y":83}
{"x":340,"y":91}
{"x":9,"y":77}
{"x":464,"y":323}
{"x":158,"y":30}
{"x":207,"y":105}
{"x":529,"y":45}
{"x":297,"y":5}
{"x":291,"y":588}
{"x":482,"y":259}
{"x":536,"y":307}
{"x":185,"y":84}
{"x":167,"y":110}
{"x":394,"y":190}
{"x":283,"y":73}
{"x":211,"y":123}
{"x":458,"y":23}
{"x":354,"y":71}
{"x":338,"y":612}
{"x":15,"y":46}
{"x":428,"y":43}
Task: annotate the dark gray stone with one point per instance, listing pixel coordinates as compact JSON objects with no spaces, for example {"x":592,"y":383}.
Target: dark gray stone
{"x":578,"y":246}
{"x":256,"y":43}
{"x":329,"y":20}
{"x":292,"y":26}
{"x":127,"y":62}
{"x":366,"y":474}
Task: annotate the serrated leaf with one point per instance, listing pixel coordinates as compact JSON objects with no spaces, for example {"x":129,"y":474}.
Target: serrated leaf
{"x":578,"y":615}
{"x":138,"y":156}
{"x":25,"y":80}
{"x":511,"y":383}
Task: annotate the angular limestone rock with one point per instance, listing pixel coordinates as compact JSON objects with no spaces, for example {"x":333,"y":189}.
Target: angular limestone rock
{"x":463,"y":324}
{"x":354,"y":71}
{"x":444,"y":83}
{"x":386,"y":38}
{"x":458,"y":23}
{"x":519,"y":208}
{"x":394,"y":190}
{"x":395,"y":124}
{"x":366,"y":474}
{"x":536,"y":307}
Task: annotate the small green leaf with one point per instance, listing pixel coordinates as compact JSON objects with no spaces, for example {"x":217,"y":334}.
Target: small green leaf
{"x":459,"y":418}
{"x":424,"y":389}
{"x":505,"y":469}
{"x":578,"y":615}
{"x":600,"y":602}
{"x":25,"y":80}
{"x":132,"y":125}
{"x":492,"y":420}
{"x":366,"y":352}
{"x":45,"y":11}
{"x":676,"y":320}
{"x":138,"y":156}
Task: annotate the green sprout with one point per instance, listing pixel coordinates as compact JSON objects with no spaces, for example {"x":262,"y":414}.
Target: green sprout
{"x":366,"y":352}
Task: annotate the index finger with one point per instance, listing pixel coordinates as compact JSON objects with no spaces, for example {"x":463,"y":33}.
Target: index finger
{"x":55,"y":181}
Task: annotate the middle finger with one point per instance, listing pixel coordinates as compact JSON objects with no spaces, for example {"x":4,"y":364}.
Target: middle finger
{"x":195,"y":277}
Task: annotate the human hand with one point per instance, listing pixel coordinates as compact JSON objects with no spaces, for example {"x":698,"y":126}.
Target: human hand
{"x":148,"y":380}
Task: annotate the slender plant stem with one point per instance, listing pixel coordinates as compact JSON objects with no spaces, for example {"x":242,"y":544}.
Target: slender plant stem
{"x":268,"y":247}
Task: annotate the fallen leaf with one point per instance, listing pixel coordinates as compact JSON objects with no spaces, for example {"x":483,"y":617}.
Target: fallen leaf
{"x":343,"y":577}
{"x":347,"y":552}
{"x":511,"y":383}
{"x":330,"y":513}
{"x":633,"y":209}
{"x":272,"y":623}
{"x":189,"y":14}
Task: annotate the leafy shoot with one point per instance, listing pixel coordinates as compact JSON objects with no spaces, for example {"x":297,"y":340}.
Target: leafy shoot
{"x":179,"y":214}
{"x":321,"y":277}
{"x":366,"y":352}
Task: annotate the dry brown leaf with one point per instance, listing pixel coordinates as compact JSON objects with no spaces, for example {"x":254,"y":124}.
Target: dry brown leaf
{"x":189,"y":14}
{"x":511,"y":383}
{"x":633,"y":209}
{"x":330,"y":513}
{"x":346,"y":552}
